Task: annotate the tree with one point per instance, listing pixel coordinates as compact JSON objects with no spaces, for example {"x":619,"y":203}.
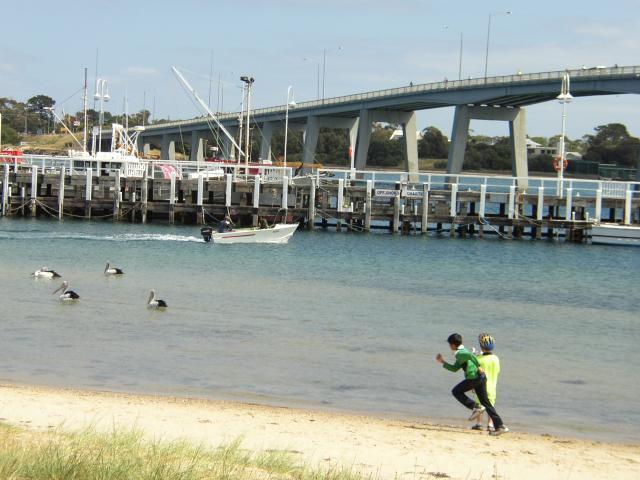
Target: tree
{"x":39,"y":104}
{"x":9,"y":136}
{"x":612,"y":143}
{"x":432,"y":144}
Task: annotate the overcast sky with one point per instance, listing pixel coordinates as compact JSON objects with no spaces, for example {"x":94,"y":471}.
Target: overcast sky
{"x":386,"y":44}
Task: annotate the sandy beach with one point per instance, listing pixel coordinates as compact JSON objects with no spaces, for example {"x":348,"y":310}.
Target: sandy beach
{"x":384,"y":448}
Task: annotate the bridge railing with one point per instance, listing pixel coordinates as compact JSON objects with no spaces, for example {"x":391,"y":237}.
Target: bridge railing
{"x":444,"y":85}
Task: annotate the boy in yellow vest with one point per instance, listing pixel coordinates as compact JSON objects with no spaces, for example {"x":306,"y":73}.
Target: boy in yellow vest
{"x":490,"y":364}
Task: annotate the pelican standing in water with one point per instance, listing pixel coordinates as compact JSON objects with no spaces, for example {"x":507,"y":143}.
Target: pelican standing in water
{"x":155,"y":303}
{"x":44,"y":272}
{"x":109,"y":270}
{"x":67,"y":295}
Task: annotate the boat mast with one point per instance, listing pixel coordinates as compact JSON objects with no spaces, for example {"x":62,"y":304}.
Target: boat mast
{"x":84,"y":101}
{"x":204,"y":106}
{"x":248,"y":82}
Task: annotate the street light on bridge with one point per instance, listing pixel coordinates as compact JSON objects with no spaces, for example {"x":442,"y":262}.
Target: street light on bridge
{"x":290,"y":103}
{"x":486,"y":58}
{"x":459,"y":56}
{"x":324,"y":63}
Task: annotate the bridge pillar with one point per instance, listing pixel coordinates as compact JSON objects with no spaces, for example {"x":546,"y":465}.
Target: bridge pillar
{"x":196,"y":154}
{"x":227,"y":150}
{"x":364,"y":138}
{"x":459,"y":136}
{"x":265,"y":144}
{"x":310,"y":140}
{"x":168,"y":148}
{"x":517,"y":136}
{"x":410,"y":136}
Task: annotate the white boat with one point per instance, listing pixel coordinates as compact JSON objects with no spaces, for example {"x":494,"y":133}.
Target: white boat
{"x":614,"y":234}
{"x":279,"y":233}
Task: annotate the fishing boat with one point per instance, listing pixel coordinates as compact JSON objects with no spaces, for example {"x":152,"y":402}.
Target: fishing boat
{"x":614,"y":234}
{"x":279,"y":233}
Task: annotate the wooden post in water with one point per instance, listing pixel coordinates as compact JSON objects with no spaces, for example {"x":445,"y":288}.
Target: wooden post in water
{"x":627,"y":205}
{"x":311,"y":214}
{"x":116,"y":197}
{"x":5,"y":189}
{"x":88,"y":192}
{"x":483,"y":206}
{"x":227,"y":196}
{"x":172,"y":197}
{"x":339,"y":203}
{"x":368,"y":206}
{"x":23,"y":196}
{"x":34,"y":189}
{"x":145,"y":195}
{"x":61,"y":195}
{"x":395,"y":225}
{"x":424,"y":221}
{"x":199,"y":201}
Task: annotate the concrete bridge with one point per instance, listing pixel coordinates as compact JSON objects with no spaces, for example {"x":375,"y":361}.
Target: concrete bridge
{"x":501,"y":98}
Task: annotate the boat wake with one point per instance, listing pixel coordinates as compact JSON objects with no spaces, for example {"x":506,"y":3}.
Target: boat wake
{"x":123,"y":237}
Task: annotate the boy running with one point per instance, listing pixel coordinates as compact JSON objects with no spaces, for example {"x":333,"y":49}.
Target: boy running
{"x":474,"y":379}
{"x":490,"y":364}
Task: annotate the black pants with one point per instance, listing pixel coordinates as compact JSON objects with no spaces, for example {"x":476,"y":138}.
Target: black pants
{"x":479,"y":385}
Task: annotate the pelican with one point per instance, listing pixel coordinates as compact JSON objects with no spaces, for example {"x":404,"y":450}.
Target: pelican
{"x":109,"y":270}
{"x":67,"y":295}
{"x":155,"y":304}
{"x":44,"y":272}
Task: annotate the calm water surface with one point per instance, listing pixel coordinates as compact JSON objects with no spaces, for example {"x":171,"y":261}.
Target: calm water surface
{"x":336,"y":321}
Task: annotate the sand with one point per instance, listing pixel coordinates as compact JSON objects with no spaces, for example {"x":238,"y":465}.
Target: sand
{"x":385,"y":448}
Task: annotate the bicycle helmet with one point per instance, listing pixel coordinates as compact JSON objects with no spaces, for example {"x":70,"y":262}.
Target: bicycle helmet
{"x":486,"y":341}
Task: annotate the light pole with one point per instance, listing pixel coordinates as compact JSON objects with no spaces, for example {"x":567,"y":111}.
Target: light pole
{"x":248,"y":82}
{"x":317,"y":62}
{"x":102,"y":94}
{"x":290,"y":103}
{"x":324,"y":63}
{"x":486,"y":58}
{"x":564,"y":98}
{"x":459,"y":56}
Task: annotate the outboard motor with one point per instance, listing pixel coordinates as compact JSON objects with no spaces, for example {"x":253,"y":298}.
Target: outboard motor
{"x":206,"y":233}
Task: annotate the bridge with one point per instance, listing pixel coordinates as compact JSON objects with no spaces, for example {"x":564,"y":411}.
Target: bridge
{"x":501,"y":98}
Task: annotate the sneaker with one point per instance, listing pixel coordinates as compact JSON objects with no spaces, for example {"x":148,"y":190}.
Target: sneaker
{"x":477,"y":426}
{"x":477,"y":411}
{"x":499,"y":431}
{"x":490,"y":428}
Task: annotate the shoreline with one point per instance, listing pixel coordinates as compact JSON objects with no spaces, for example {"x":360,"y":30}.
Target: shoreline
{"x":372,"y":444}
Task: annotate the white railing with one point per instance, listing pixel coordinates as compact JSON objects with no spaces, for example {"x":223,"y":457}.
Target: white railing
{"x":157,"y":169}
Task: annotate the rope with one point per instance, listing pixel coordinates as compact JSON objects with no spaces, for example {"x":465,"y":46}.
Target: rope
{"x":54,"y":213}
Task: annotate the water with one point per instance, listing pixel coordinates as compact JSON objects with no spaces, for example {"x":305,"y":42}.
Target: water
{"x":344,"y":322}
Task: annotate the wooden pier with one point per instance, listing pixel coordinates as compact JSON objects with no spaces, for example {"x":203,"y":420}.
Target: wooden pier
{"x":342,"y":200}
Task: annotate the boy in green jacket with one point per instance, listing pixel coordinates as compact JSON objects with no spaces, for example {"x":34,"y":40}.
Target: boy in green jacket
{"x":474,"y":379}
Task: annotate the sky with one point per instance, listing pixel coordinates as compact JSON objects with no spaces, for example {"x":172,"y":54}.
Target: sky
{"x":46,"y":45}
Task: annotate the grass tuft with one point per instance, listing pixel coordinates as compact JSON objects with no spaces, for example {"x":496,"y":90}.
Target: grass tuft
{"x":91,"y":455}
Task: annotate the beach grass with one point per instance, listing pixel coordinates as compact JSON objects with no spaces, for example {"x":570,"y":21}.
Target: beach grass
{"x":91,"y":455}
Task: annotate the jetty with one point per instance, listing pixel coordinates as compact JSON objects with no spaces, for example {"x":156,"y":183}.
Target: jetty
{"x":345,"y":200}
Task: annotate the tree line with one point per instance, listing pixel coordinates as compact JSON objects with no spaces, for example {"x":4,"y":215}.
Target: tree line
{"x":609,"y":144}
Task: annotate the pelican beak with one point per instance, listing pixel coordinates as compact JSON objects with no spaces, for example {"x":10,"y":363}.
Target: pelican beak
{"x":57,"y":289}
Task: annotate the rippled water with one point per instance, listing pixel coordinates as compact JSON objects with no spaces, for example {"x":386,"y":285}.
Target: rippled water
{"x":339,"y":321}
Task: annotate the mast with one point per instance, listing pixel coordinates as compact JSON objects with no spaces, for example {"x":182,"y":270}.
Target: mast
{"x":84,"y":101}
{"x":204,"y":106}
{"x":248,"y":81}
